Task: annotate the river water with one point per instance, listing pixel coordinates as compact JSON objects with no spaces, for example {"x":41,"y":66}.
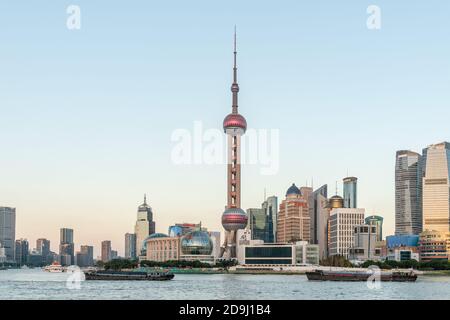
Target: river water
{"x":38,"y":284}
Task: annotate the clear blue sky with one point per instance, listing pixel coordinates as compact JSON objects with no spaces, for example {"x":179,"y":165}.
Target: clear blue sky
{"x":87,"y":115}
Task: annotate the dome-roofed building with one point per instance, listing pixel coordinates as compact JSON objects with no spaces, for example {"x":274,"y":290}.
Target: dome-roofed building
{"x":160,"y":247}
{"x":293,"y":220}
{"x":197,"y":245}
{"x":336,"y":202}
{"x":293,"y":190}
{"x":152,"y":236}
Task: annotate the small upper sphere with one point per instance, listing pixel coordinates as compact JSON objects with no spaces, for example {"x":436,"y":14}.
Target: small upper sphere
{"x":293,"y":190}
{"x":234,"y":120}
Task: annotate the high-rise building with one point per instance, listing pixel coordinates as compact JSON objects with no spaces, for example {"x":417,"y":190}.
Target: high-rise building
{"x":258,"y":223}
{"x":315,"y":212}
{"x":270,"y":206}
{"x":342,"y":225}
{"x":293,"y":217}
{"x":106,"y":251}
{"x":85,"y":257}
{"x":66,"y":247}
{"x":66,"y":235}
{"x":8,"y":232}
{"x":130,"y":246}
{"x":145,"y":225}
{"x":319,"y":220}
{"x":114,"y":254}
{"x":22,"y":251}
{"x":436,"y":187}
{"x":350,"y":192}
{"x":234,"y":125}
{"x":408,"y":193}
{"x":378,"y":222}
{"x":308,"y":195}
{"x":43,"y":248}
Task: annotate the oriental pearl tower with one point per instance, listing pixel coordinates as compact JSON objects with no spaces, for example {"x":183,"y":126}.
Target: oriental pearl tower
{"x":234,"y":125}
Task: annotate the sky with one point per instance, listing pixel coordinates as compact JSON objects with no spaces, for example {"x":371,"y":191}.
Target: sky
{"x":87,"y":115}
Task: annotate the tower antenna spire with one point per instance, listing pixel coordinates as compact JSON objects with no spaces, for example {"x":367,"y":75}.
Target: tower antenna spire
{"x":145,"y":198}
{"x":235,"y":86}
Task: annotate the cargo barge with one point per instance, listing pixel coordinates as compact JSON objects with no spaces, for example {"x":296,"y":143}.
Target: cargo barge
{"x":129,"y":275}
{"x":395,"y":276}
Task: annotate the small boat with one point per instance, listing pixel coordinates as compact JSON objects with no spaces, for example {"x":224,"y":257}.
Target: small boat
{"x":55,"y":267}
{"x":396,"y":276}
{"x":129,"y":275}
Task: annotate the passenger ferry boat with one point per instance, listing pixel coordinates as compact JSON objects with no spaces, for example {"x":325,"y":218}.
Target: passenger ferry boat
{"x":159,"y":275}
{"x":55,"y":267}
{"x":396,"y":276}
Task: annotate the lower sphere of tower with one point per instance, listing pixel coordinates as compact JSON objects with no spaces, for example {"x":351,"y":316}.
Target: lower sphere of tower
{"x":234,"y":219}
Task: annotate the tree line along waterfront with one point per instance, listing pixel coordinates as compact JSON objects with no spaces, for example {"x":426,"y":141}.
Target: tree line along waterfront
{"x":335,"y":261}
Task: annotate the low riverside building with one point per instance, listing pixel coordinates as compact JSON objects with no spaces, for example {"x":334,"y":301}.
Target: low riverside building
{"x":434,"y":246}
{"x":161,"y":247}
{"x":194,"y":246}
{"x":258,"y":253}
{"x":402,"y":247}
{"x":307,"y":254}
{"x":365,"y":242}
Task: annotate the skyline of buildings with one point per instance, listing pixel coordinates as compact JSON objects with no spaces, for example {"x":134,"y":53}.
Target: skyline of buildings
{"x":305,"y":215}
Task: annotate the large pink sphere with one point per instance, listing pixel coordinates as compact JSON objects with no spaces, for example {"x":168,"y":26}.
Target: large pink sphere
{"x":234,"y":219}
{"x":234,"y":120}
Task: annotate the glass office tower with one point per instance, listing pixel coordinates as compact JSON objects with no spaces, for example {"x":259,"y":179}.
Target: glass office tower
{"x":408,"y":193}
{"x":350,"y":192}
{"x":436,"y":187}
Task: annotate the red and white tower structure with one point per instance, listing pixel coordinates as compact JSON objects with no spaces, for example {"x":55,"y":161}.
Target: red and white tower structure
{"x":234,"y":125}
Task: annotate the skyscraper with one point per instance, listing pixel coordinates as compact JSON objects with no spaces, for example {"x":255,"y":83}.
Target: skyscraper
{"x":66,"y":247}
{"x":22,"y":251}
{"x":130,"y":246}
{"x":308,"y":195}
{"x":270,"y":206}
{"x":341,"y":229}
{"x":293,"y":222}
{"x":43,"y":248}
{"x":408,"y":193}
{"x":319,"y":220}
{"x":262,"y":228}
{"x":378,"y":222}
{"x":8,"y":232}
{"x":145,"y":225}
{"x":436,"y":187}
{"x":85,"y":257}
{"x":106,"y":251}
{"x":234,"y":125}
{"x":350,"y":192}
